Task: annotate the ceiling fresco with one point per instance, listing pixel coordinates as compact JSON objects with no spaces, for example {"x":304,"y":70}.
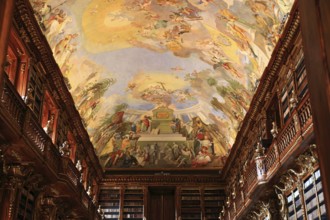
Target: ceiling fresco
{"x":162,"y":83}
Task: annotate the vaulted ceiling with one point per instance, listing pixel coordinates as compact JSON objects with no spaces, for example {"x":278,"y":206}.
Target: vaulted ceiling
{"x":122,"y":59}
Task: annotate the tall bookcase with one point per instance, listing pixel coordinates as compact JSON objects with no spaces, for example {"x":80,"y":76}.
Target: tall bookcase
{"x":122,"y":203}
{"x":191,"y":207}
{"x":25,"y":206}
{"x":295,"y":206}
{"x":213,"y":200}
{"x":133,"y":204}
{"x":109,"y":200}
{"x":201,"y":203}
{"x":35,"y":91}
{"x":312,"y":197}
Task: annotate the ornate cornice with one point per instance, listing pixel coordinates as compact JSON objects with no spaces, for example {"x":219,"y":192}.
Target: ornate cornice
{"x":162,"y":180}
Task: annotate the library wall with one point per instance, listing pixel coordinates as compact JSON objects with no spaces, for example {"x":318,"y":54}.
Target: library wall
{"x":161,"y":202}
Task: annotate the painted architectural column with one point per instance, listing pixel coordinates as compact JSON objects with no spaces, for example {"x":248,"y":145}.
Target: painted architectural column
{"x":315,"y":21}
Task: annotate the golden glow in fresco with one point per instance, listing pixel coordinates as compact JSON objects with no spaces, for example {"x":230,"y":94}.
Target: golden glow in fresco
{"x":162,"y":83}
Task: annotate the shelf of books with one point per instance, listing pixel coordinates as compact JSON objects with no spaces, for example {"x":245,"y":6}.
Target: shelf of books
{"x":314,"y":198}
{"x":109,"y":200}
{"x":295,"y":206}
{"x":133,"y":204}
{"x":213,"y":200}
{"x":191,"y":204}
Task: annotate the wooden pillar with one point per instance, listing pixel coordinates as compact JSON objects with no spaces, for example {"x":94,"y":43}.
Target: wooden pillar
{"x":10,"y":188}
{"x":315,"y":23}
{"x":6,"y":13}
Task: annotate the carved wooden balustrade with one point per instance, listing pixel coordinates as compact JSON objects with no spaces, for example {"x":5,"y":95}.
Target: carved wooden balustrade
{"x":305,"y":116}
{"x":286,"y":136}
{"x":251,"y":177}
{"x":12,"y":104}
{"x":290,"y":137}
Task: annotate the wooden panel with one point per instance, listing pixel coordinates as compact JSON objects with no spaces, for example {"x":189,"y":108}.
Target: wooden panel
{"x":169,"y":206}
{"x":161,"y":203}
{"x":315,"y":32}
{"x":155,"y":207}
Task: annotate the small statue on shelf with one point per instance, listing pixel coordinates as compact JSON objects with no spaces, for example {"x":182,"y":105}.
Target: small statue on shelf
{"x":283,"y":205}
{"x":293,"y":100}
{"x":274,"y":130}
{"x":260,"y":150}
{"x":89,"y":191}
{"x":65,"y":149}
{"x":49,"y":126}
{"x":78,"y":166}
{"x":28,"y":99}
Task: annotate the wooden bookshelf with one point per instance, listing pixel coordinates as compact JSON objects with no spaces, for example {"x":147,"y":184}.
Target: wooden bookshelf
{"x":25,"y":206}
{"x":133,"y":204}
{"x":109,"y":200}
{"x":191,"y":207}
{"x":213,"y":200}
{"x":35,"y":92}
{"x":314,"y":198}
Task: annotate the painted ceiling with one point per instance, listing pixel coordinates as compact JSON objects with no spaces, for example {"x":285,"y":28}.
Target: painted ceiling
{"x":162,"y":83}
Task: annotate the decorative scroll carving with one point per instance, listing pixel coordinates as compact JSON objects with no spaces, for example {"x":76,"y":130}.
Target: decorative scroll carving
{"x":306,"y":163}
{"x":45,"y":207}
{"x":283,"y":204}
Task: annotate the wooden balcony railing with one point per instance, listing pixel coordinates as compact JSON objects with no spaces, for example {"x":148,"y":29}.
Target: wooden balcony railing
{"x":271,"y":158}
{"x":305,"y":115}
{"x":52,"y":157}
{"x":71,"y":171}
{"x":251,"y":177}
{"x":12,"y":103}
{"x":286,"y":136}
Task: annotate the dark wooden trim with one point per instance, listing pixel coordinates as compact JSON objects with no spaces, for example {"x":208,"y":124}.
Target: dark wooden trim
{"x":315,"y":22}
{"x":6,"y":14}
